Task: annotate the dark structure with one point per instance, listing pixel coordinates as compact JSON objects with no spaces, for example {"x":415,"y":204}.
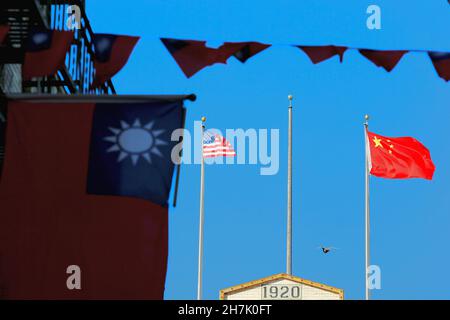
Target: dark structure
{"x":74,"y":78}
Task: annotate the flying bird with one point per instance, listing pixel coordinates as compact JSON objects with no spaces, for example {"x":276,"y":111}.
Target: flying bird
{"x":326,"y":250}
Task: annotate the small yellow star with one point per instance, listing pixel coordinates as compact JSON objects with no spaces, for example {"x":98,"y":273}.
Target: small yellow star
{"x":391,"y":146}
{"x":377,"y":142}
{"x":390,"y":151}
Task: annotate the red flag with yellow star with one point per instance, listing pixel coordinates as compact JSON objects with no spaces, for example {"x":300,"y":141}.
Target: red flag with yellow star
{"x":398,"y":158}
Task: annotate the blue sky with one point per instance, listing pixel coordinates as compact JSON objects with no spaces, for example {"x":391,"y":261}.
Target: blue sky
{"x":245,"y":212}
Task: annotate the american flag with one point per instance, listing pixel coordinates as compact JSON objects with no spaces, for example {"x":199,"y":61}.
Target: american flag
{"x":214,"y":145}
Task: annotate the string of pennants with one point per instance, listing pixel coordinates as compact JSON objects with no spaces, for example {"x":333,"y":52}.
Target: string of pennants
{"x":193,"y":55}
{"x":45,"y":51}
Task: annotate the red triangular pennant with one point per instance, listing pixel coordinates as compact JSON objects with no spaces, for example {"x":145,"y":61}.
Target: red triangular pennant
{"x":321,"y":53}
{"x":441,"y":62}
{"x":387,"y":59}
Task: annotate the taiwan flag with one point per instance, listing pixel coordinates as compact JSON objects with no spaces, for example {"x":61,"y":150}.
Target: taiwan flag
{"x":111,"y":54}
{"x":4,"y":29}
{"x":85,"y":187}
{"x":321,"y":53}
{"x":192,"y":56}
{"x":248,"y":50}
{"x":45,"y":52}
{"x":441,"y":62}
{"x":398,"y":158}
{"x":386,"y":59}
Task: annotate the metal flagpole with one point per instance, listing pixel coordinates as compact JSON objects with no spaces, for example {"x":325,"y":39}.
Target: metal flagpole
{"x":367,"y":207}
{"x":177,"y":178}
{"x":289,"y":193}
{"x":202,"y":218}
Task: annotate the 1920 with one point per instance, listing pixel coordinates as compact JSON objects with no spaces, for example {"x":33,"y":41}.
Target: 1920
{"x":281,"y":291}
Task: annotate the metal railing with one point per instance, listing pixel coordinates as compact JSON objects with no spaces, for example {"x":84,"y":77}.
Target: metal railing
{"x":77,"y":74}
{"x":75,"y":77}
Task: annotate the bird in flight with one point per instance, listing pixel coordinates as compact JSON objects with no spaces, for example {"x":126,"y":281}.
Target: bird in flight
{"x":326,"y":250}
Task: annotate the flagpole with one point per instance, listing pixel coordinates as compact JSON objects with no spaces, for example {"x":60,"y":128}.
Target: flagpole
{"x":367,"y":209}
{"x":289,"y":193}
{"x":202,"y":217}
{"x":177,"y":178}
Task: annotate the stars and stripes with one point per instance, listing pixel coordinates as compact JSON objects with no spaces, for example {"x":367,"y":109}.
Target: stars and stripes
{"x":214,"y":145}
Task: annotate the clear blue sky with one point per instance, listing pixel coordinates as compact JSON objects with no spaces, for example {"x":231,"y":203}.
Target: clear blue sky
{"x":246,"y":213}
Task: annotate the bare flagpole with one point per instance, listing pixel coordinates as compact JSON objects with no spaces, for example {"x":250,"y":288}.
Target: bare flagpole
{"x":289,"y":193}
{"x":367,"y":207}
{"x":202,"y":217}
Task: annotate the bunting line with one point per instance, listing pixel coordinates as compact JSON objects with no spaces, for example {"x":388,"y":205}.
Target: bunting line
{"x":193,"y":55}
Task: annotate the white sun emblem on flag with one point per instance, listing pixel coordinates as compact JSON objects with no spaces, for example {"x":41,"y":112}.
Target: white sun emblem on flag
{"x":135,"y":141}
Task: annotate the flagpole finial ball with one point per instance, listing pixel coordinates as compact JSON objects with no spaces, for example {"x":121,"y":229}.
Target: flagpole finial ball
{"x":203,"y":119}
{"x":290,"y":97}
{"x":366,"y":117}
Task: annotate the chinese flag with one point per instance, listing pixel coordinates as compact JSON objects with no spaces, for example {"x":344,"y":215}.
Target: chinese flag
{"x":398,"y":158}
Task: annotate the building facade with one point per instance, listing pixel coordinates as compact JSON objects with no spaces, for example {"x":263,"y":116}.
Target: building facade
{"x":75,"y":77}
{"x":282,"y":287}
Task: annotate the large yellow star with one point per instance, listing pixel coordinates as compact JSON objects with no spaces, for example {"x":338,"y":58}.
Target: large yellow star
{"x":377,"y":142}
